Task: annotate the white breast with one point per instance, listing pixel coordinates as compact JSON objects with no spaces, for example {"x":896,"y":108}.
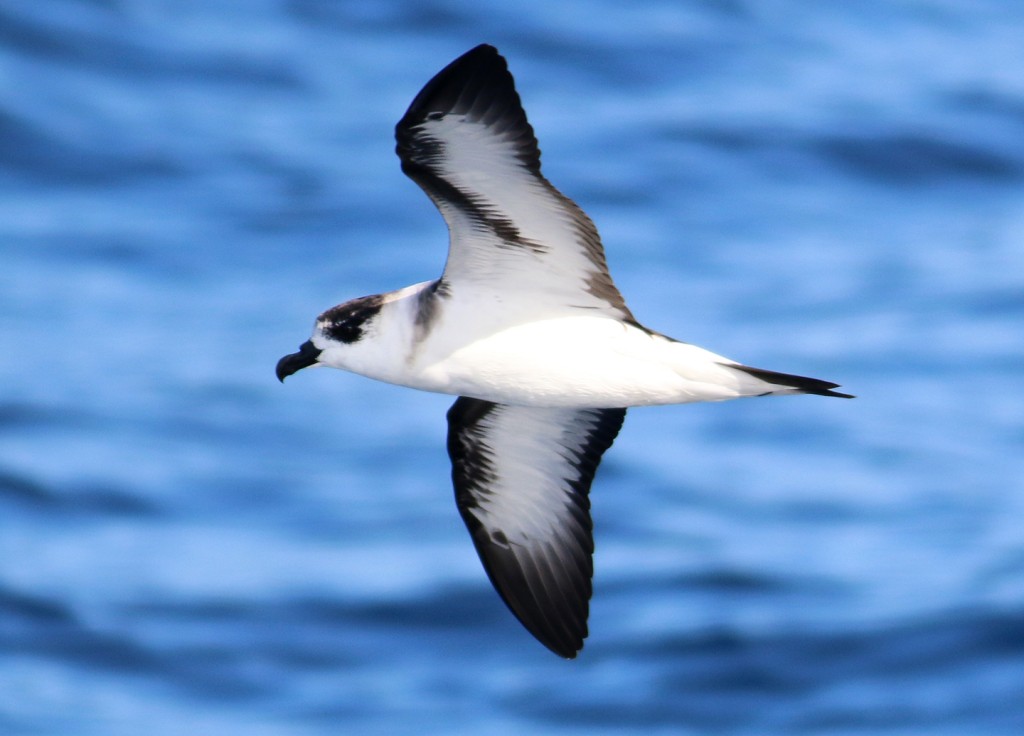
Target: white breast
{"x":578,"y":361}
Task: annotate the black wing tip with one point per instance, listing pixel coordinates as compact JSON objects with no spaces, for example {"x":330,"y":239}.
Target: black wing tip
{"x":556,"y":620}
{"x":481,"y":50}
{"x":813,"y":386}
{"x":566,"y":645}
{"x":480,"y":64}
{"x":565,"y":652}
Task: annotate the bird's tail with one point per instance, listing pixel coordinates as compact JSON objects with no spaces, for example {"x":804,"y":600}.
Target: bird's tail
{"x":788,"y":383}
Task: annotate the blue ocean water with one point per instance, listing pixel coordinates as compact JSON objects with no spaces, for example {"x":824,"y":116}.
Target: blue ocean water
{"x":186,"y":546}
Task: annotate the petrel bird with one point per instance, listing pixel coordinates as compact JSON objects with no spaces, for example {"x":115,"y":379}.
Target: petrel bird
{"x":526,"y":327}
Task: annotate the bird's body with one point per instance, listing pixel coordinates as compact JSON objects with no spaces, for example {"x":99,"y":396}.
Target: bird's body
{"x":569,"y":360}
{"x":526,"y":326}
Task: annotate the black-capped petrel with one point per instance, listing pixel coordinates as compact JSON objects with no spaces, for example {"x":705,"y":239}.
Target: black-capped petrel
{"x":526,"y":327}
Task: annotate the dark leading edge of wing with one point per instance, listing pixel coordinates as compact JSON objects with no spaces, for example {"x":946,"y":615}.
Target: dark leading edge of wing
{"x":521,"y":477}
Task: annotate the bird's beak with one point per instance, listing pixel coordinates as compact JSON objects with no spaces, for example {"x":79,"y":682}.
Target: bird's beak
{"x":289,"y":364}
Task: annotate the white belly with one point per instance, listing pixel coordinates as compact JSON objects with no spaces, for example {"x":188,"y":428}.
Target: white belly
{"x":574,"y":362}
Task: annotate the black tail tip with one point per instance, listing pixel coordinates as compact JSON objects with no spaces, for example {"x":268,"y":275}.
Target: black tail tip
{"x":814,"y":386}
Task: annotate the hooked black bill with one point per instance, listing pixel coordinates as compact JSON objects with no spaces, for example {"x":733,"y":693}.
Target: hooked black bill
{"x":289,"y":364}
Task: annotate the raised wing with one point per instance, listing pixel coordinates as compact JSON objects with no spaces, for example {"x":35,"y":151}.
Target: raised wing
{"x":466,"y":141}
{"x":521,"y":477}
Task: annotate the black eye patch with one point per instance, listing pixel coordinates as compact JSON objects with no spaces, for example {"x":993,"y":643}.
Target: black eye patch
{"x":347,"y":322}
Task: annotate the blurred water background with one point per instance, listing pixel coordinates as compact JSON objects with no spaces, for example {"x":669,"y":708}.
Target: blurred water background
{"x":187,"y":547}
